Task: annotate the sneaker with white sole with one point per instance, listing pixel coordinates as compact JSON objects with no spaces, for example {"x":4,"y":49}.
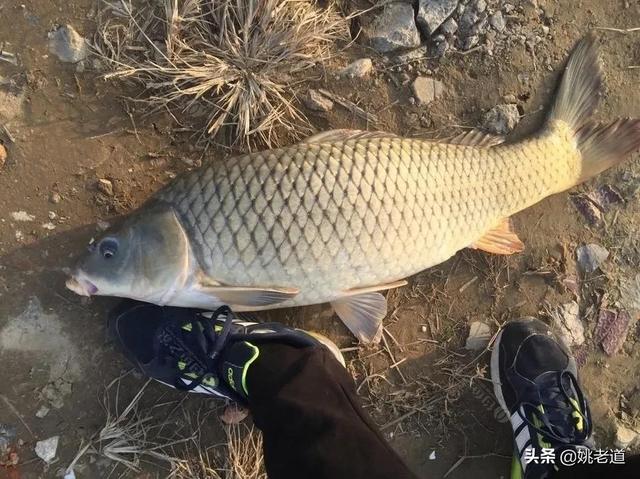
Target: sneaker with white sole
{"x":201,"y":352}
{"x":535,"y":382}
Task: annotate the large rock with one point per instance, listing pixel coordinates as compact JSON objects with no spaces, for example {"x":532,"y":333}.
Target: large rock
{"x":67,"y":44}
{"x":393,"y":28}
{"x":433,"y":13}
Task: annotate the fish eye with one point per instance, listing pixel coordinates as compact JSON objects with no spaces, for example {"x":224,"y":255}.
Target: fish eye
{"x":108,"y":248}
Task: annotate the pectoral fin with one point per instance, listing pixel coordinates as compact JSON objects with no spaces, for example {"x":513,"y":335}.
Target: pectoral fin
{"x":362,"y":314}
{"x":500,"y":240}
{"x":250,"y":297}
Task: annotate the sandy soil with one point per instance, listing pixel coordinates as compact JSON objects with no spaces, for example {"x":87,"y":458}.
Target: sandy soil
{"x":71,"y":129}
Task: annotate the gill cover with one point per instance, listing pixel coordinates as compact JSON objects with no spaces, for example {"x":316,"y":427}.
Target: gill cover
{"x":147,"y":257}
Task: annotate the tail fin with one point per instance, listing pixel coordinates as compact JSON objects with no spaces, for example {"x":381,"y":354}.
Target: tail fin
{"x":604,"y":146}
{"x":579,"y":90}
{"x":601,"y":146}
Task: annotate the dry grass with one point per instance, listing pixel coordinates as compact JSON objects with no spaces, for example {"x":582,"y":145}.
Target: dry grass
{"x":240,"y":458}
{"x":130,"y":434}
{"x":170,"y":437}
{"x":228,"y":69}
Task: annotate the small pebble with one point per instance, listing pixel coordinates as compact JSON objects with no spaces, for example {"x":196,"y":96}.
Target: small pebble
{"x":3,"y":155}
{"x":67,"y":44}
{"x":357,"y":69}
{"x":497,"y":21}
{"x":52,"y":215}
{"x":22,"y":216}
{"x":501,"y":119}
{"x":46,"y":450}
{"x":105,"y":186}
{"x":102,"y":225}
{"x":479,"y":336}
{"x":449,"y":27}
{"x":427,"y":89}
{"x":591,"y":256}
{"x":42,"y":412}
{"x":317,"y":101}
{"x":625,"y":437}
{"x":55,"y":198}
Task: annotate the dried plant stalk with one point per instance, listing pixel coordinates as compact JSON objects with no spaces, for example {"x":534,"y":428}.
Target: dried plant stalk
{"x":231,"y":67}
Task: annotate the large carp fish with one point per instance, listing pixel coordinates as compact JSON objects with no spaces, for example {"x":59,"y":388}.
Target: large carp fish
{"x":347,"y":214}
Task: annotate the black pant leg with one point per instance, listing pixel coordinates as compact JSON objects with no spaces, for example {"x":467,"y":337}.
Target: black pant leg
{"x":306,"y":405}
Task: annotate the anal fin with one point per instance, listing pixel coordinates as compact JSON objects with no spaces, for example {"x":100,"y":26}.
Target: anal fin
{"x":363,"y":309}
{"x":363,"y":314}
{"x":500,"y":240}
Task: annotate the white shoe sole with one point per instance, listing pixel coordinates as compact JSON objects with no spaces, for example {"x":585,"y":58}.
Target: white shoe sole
{"x":496,"y":380}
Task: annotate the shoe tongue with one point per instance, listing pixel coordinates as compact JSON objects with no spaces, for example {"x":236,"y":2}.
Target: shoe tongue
{"x":555,"y":406}
{"x":187,"y":345}
{"x":237,"y":358}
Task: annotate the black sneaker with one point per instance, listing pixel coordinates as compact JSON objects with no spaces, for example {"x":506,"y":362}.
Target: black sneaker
{"x":535,"y":381}
{"x":201,"y":352}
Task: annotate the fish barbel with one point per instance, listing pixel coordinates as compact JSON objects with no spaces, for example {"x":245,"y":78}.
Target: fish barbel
{"x":345,"y":214}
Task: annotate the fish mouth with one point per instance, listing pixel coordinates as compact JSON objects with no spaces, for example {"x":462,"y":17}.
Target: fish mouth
{"x":80,"y":286}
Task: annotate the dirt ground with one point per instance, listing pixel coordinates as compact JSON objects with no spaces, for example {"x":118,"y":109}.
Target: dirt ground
{"x":71,"y":129}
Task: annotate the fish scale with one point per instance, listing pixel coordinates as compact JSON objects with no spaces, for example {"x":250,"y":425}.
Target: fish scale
{"x":355,"y":213}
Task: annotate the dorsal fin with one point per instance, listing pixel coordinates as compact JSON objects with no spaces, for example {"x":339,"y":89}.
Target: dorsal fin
{"x":346,"y":134}
{"x":475,"y":138}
